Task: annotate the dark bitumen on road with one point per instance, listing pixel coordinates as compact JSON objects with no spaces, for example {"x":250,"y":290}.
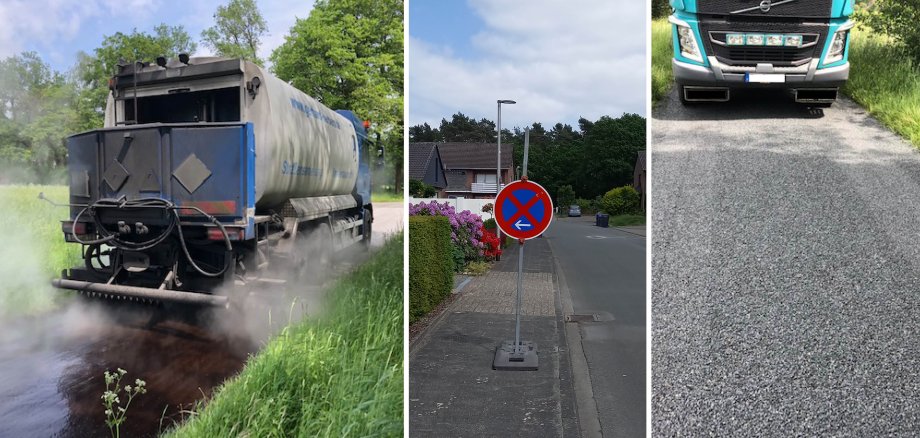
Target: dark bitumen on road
{"x":604,"y":270}
{"x":784,"y":272}
{"x":51,"y":366}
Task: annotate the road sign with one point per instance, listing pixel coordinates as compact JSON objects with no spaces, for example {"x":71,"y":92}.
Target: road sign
{"x":523,"y":209}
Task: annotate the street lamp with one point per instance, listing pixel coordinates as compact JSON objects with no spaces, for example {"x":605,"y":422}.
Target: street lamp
{"x":498,"y":167}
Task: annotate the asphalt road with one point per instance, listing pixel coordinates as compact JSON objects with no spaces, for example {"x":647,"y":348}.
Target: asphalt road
{"x":604,"y":270}
{"x":785,"y":262}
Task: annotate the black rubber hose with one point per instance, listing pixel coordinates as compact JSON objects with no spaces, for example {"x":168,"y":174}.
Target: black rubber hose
{"x":189,"y":256}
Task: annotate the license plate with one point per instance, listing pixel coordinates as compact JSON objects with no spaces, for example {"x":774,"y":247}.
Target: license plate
{"x":765,"y":78}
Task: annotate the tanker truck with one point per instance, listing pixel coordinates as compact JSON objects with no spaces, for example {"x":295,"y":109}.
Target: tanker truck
{"x":208,"y":172}
{"x":795,"y":45}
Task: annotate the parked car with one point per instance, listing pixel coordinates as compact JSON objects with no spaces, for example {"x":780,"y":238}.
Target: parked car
{"x":574,"y":211}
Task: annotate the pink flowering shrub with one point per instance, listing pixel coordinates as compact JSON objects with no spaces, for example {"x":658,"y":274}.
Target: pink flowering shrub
{"x":466,"y":227}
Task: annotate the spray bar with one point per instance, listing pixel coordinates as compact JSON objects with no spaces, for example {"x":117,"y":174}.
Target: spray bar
{"x":142,"y":292}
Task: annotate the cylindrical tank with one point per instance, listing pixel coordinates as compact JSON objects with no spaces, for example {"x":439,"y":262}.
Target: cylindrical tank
{"x":303,"y":149}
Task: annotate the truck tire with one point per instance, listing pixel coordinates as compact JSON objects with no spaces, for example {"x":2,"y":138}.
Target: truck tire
{"x":367,"y":228}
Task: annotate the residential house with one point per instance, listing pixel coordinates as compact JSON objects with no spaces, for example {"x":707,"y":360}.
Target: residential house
{"x":639,"y":178}
{"x":471,"y":169}
{"x":425,"y":165}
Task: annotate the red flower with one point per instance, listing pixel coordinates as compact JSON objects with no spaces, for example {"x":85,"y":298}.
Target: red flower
{"x":492,"y":247}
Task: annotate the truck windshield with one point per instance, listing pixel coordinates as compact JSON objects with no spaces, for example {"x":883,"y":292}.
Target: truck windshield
{"x":183,"y":106}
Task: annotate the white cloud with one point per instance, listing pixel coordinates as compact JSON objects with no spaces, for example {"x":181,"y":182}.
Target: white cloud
{"x":23,"y":23}
{"x":559,"y":60}
{"x":50,"y":21}
{"x":280,"y":17}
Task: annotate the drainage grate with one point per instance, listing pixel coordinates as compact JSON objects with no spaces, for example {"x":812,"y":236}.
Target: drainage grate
{"x":581,"y":318}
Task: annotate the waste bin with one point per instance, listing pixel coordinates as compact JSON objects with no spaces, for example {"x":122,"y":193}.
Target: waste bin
{"x":602,"y":220}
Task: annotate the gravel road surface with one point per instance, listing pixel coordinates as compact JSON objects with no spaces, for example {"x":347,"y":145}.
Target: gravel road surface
{"x":785,"y":271}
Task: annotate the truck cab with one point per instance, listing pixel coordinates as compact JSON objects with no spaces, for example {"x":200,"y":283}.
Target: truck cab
{"x":795,"y":45}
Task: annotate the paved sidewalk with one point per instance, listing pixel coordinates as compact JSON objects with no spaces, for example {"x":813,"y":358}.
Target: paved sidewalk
{"x":453,"y":390}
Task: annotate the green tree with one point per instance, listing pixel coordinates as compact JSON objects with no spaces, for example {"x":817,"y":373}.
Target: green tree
{"x":348,"y":54}
{"x":419,"y":189}
{"x":565,"y":196}
{"x":94,"y":71}
{"x":36,"y":113}
{"x":465,"y":129}
{"x":237,"y":31}
{"x":895,"y":18}
{"x":23,"y":77}
{"x":424,"y":133}
{"x":661,"y":8}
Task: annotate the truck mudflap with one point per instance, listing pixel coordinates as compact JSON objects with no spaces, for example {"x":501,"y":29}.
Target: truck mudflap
{"x":142,"y":293}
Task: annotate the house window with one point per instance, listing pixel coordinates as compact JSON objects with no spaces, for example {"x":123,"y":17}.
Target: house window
{"x":487,"y":178}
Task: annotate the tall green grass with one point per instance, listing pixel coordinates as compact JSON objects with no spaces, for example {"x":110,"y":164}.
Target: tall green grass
{"x":32,"y":248}
{"x":340,"y":375}
{"x":886,"y":82}
{"x":386,"y":197}
{"x":662,"y":53}
{"x":625,"y":220}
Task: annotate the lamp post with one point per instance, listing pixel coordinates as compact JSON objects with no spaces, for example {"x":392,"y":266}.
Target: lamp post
{"x":498,"y":166}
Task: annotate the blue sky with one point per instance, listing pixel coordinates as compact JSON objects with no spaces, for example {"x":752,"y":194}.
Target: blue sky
{"x":58,"y":29}
{"x":560,"y":60}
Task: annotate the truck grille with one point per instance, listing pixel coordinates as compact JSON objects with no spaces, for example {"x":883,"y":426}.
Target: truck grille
{"x":796,"y":8}
{"x":713,"y":32}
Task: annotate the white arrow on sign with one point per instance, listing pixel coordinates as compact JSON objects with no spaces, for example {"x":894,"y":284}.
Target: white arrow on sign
{"x":520,"y":224}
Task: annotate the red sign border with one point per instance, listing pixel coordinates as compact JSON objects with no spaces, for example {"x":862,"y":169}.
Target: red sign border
{"x":537,"y":229}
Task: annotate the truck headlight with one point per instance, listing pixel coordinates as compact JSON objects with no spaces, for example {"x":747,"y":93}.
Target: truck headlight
{"x":838,"y":45}
{"x":688,"y":45}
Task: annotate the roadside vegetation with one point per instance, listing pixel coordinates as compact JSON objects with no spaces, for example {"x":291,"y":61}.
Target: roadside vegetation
{"x":34,"y":249}
{"x":662,"y":53}
{"x":338,"y":375}
{"x":385,"y":196}
{"x":626,"y":220}
{"x":886,"y":82}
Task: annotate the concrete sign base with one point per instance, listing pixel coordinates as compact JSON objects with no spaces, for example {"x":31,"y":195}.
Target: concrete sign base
{"x":506,"y":359}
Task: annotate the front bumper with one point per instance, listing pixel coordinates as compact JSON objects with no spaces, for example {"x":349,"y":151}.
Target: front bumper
{"x":721,"y":75}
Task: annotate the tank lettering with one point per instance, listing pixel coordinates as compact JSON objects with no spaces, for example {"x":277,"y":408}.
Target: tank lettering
{"x":296,"y":169}
{"x":312,"y":112}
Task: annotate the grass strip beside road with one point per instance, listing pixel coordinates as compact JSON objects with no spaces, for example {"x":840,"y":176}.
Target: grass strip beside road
{"x":386,"y":197}
{"x":33,"y":249}
{"x":338,"y":375}
{"x":662,"y":76}
{"x":625,"y":220}
{"x":885,"y":81}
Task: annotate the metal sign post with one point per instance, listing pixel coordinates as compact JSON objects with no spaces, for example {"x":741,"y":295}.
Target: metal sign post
{"x":523,"y":210}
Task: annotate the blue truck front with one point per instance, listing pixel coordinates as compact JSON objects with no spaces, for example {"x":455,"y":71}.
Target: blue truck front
{"x":797,"y":45}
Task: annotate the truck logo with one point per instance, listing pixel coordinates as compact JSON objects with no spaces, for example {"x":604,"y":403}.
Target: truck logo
{"x":764,"y":6}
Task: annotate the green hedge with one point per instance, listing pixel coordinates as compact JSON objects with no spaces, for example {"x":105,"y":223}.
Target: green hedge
{"x":621,"y":200}
{"x":431,"y":265}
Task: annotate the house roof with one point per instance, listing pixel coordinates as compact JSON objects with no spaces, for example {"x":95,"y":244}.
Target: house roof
{"x":420,"y":156}
{"x":473,"y":155}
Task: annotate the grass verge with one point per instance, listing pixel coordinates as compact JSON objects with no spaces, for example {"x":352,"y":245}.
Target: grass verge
{"x":386,"y":197}
{"x":339,"y":375}
{"x":33,"y":248}
{"x":625,"y":220}
{"x":885,"y":81}
{"x":662,"y":76}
